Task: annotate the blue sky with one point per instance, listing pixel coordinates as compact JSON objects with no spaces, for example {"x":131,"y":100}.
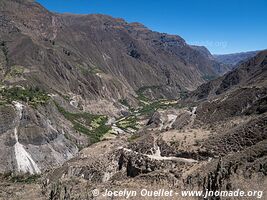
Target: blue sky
{"x":224,"y":26}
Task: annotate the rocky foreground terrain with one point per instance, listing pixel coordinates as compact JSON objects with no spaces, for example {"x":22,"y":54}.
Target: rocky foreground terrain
{"x":92,"y":102}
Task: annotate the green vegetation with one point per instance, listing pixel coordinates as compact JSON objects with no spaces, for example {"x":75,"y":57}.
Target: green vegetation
{"x":26,"y":178}
{"x":141,"y":96}
{"x":16,"y":70}
{"x":128,"y":122}
{"x":152,"y":107}
{"x":140,"y":92}
{"x":33,"y":96}
{"x":148,"y":107}
{"x":91,"y":125}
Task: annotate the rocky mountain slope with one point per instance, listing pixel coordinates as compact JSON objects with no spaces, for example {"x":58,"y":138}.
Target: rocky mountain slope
{"x":70,"y":73}
{"x":95,"y":56}
{"x":250,"y":73}
{"x":215,"y":143}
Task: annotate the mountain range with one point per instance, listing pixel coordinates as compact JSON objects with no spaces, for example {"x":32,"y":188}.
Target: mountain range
{"x":234,"y":58}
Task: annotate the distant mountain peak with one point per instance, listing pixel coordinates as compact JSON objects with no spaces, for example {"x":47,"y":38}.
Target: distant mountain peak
{"x":234,"y":58}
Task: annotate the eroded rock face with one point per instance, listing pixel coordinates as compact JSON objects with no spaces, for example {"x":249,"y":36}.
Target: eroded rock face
{"x":154,"y":121}
{"x":32,"y":143}
{"x":8,"y":114}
